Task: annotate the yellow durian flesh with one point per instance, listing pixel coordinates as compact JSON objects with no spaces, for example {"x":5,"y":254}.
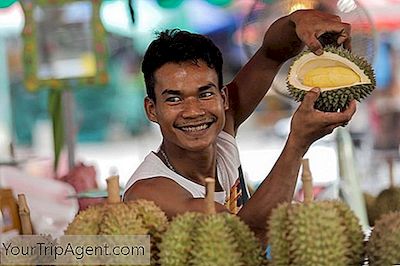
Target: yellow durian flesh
{"x":329,"y":71}
{"x":341,"y":76}
{"x":330,"y":77}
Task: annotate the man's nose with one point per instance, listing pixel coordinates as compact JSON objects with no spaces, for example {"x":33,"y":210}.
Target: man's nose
{"x":193,"y":108}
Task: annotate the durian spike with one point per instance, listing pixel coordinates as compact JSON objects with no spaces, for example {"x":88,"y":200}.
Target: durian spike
{"x":24,"y":215}
{"x":306,"y":178}
{"x":391,"y":173}
{"x":210,"y":188}
{"x":113,"y":189}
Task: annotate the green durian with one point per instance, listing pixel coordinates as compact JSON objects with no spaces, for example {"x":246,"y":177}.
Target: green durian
{"x":315,"y":232}
{"x":138,"y":217}
{"x":202,"y":239}
{"x":341,"y":75}
{"x":277,"y":235}
{"x":384,"y":242}
{"x":388,"y":200}
{"x":316,"y":236}
{"x":352,"y":231}
{"x":250,"y":249}
{"x":214,"y":243}
{"x":153,"y":220}
{"x":177,"y":241}
{"x":119,"y":219}
{"x":87,"y":222}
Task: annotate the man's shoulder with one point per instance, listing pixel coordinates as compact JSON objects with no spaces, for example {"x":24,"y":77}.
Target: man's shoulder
{"x":154,"y":188}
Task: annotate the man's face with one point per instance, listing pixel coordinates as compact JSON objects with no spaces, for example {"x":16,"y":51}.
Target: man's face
{"x":189,"y":108}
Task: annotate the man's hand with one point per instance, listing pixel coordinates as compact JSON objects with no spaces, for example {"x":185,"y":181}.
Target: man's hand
{"x":311,"y":24}
{"x":309,"y":124}
{"x":288,"y":35}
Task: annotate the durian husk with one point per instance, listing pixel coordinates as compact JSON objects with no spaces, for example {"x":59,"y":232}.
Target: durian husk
{"x":316,"y":236}
{"x":353,"y":232}
{"x":177,"y":241}
{"x":250,"y":250}
{"x":214,"y":243}
{"x":387,"y":201}
{"x":338,"y":99}
{"x":384,"y":243}
{"x":315,"y":232}
{"x":138,"y":217}
{"x":277,"y":235}
{"x":87,"y":222}
{"x":202,"y":239}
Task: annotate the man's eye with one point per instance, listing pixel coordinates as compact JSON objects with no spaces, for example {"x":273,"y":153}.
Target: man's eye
{"x":206,"y":94}
{"x":173,"y":99}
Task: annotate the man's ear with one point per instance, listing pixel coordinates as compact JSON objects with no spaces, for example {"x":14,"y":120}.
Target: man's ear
{"x":150,"y":107}
{"x":225,"y":97}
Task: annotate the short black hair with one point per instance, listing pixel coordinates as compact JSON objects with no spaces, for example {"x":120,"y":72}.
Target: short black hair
{"x":179,"y":46}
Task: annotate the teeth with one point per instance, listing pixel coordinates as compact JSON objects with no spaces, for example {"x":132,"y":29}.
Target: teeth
{"x":193,"y":129}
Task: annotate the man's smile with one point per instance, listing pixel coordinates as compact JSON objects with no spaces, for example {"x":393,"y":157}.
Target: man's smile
{"x":196,"y":126}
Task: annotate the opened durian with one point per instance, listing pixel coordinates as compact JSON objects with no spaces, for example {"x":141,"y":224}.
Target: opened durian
{"x":139,"y":217}
{"x":209,"y":239}
{"x":314,"y":233}
{"x":384,"y":243}
{"x":341,"y":76}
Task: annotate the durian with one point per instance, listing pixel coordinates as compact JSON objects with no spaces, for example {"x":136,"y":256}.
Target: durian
{"x":139,"y":217}
{"x":384,"y":242}
{"x":341,"y":75}
{"x":388,"y":199}
{"x":209,"y":239}
{"x":314,"y":233}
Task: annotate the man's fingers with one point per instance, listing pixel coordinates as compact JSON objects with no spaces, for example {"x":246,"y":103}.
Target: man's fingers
{"x":312,"y":42}
{"x":310,"y":98}
{"x":351,"y":109}
{"x":342,"y":117}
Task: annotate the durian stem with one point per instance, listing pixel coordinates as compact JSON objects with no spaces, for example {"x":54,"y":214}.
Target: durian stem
{"x":391,"y":172}
{"x":210,"y":188}
{"x":113,"y":189}
{"x":306,"y":178}
{"x":24,"y":215}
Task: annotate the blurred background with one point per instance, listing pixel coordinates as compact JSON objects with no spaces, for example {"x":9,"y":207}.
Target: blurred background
{"x":105,"y":128}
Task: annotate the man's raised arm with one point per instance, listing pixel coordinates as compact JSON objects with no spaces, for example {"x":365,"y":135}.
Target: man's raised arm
{"x":284,"y":39}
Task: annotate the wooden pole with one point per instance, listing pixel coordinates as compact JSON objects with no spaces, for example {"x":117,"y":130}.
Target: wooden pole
{"x":391,"y":172}
{"x":210,"y":189}
{"x":24,"y":215}
{"x":113,"y":189}
{"x":306,"y":178}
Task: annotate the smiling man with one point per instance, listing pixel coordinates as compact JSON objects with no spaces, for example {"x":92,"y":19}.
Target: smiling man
{"x":199,"y":118}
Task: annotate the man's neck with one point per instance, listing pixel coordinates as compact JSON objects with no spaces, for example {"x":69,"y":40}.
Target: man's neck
{"x":195,"y":166}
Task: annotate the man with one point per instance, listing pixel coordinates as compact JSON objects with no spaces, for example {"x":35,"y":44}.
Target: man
{"x":199,"y":118}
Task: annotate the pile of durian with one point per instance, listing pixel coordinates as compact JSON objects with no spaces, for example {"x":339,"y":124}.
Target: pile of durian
{"x":315,"y":232}
{"x":341,"y":75}
{"x":139,"y":217}
{"x":210,"y":238}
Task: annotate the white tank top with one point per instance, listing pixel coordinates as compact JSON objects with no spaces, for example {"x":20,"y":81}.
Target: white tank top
{"x":228,"y":163}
